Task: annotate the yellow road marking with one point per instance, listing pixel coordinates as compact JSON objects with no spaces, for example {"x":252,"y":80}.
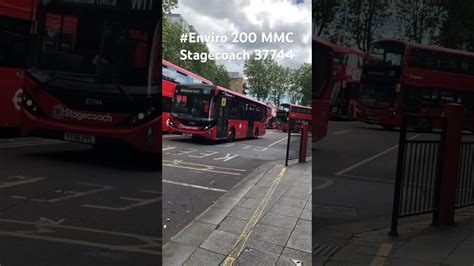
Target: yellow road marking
{"x":244,"y":236}
{"x":382,"y":254}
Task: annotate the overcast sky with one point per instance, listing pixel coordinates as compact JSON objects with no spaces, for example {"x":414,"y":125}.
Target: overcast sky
{"x":225,"y":17}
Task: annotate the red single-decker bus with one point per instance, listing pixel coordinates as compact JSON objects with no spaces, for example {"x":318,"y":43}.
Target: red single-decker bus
{"x":215,"y":113}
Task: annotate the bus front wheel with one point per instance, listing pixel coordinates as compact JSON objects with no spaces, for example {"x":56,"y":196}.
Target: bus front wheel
{"x":231,"y":136}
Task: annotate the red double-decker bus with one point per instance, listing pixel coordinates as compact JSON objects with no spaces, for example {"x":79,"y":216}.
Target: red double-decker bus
{"x":215,"y":113}
{"x":298,"y":114}
{"x":16,"y":17}
{"x":171,"y":76}
{"x":272,"y":112}
{"x":339,"y":71}
{"x":95,"y":74}
{"x":406,"y":77}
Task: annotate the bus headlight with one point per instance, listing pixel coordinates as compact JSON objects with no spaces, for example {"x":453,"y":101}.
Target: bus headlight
{"x":28,"y":103}
{"x":207,"y":127}
{"x":143,"y":117}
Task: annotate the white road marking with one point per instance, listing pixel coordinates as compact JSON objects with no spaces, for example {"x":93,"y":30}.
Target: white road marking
{"x":227,"y":157}
{"x":202,"y":167}
{"x":226,"y":145}
{"x":140,"y":203}
{"x":276,"y":142}
{"x":326,"y":183}
{"x":43,"y":219}
{"x":342,"y":132}
{"x":167,"y":148}
{"x":260,"y":148}
{"x":76,"y":194}
{"x":193,"y":186}
{"x":184,"y":152}
{"x":39,"y":228}
{"x":352,"y":167}
{"x":203,"y":154}
{"x":24,"y":180}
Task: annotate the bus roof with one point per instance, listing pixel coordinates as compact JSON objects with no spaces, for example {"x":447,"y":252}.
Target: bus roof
{"x":338,"y":48}
{"x":296,"y":105}
{"x":239,"y":95}
{"x":428,"y":47}
{"x":180,"y":69}
{"x":18,"y":8}
{"x":334,"y":47}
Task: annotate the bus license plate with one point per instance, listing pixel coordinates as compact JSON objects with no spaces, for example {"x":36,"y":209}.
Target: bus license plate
{"x":187,"y":135}
{"x":79,"y":138}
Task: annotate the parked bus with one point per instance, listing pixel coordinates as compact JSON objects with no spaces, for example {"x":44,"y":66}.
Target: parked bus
{"x":322,"y":73}
{"x":298,"y":114}
{"x":216,"y":113}
{"x":94,"y":77}
{"x":272,"y":111}
{"x":406,"y":77}
{"x":16,"y":18}
{"x":171,"y":76}
{"x":341,"y":82}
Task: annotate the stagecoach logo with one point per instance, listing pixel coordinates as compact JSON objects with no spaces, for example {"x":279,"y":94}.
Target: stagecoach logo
{"x":58,"y":112}
{"x":17,"y":99}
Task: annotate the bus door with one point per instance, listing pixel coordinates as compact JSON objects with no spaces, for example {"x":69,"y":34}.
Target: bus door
{"x":250,"y":119}
{"x":222,"y":121}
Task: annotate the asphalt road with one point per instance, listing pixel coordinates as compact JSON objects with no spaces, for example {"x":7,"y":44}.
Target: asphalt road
{"x":67,"y":204}
{"x":197,"y":173}
{"x":354,"y":170}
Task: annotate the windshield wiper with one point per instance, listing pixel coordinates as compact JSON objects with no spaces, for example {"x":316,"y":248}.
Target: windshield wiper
{"x":129,"y":97}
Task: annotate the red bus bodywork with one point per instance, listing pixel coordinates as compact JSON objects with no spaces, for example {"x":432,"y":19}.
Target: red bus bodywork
{"x":272,"y":111}
{"x":230,"y":114}
{"x":16,"y":19}
{"x":297,"y":113}
{"x":86,"y":108}
{"x":417,"y":79}
{"x":173,"y":75}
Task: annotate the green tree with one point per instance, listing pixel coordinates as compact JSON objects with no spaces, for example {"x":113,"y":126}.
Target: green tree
{"x":304,"y":83}
{"x":419,"y":20}
{"x":172,"y":47}
{"x":457,"y":31}
{"x":259,"y":76}
{"x":280,"y":83}
{"x":323,"y":14}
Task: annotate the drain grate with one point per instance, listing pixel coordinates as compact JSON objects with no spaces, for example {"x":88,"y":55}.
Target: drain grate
{"x":324,"y":250}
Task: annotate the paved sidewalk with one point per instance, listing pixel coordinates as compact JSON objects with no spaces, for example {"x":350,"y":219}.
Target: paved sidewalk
{"x":264,"y":220}
{"x":418,"y":244}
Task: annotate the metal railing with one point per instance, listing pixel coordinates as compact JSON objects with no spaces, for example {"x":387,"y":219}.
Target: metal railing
{"x":418,"y":177}
{"x":465,"y":186}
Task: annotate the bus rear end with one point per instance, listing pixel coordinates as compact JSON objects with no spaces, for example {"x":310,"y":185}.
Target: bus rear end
{"x":95,"y":77}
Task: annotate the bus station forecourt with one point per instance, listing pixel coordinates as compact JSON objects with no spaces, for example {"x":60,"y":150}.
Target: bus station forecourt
{"x":225,"y":180}
{"x":358,"y":161}
{"x":79,"y":170}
